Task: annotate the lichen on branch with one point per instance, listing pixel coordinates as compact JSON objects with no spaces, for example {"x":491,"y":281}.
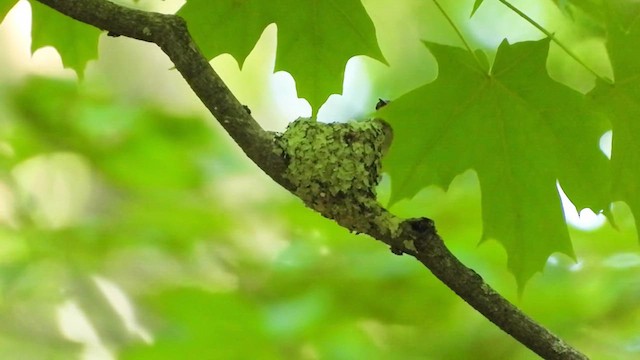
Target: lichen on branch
{"x":335,"y":168}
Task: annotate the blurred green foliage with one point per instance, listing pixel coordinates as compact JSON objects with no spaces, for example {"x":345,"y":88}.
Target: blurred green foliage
{"x":218,"y":273}
{"x":208,"y":259}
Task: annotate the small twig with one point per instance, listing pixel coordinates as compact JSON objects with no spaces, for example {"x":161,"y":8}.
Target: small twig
{"x":170,"y":33}
{"x":459,"y":34}
{"x":555,"y":40}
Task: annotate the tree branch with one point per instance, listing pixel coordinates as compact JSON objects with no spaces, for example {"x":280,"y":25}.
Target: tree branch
{"x":170,"y":33}
{"x":416,"y":237}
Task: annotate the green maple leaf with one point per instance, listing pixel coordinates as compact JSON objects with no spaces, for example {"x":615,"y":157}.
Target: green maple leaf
{"x":315,"y":38}
{"x":76,"y":42}
{"x":620,"y":102}
{"x":519,"y":130}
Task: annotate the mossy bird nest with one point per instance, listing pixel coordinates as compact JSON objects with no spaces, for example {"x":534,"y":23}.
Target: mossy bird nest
{"x":335,"y":167}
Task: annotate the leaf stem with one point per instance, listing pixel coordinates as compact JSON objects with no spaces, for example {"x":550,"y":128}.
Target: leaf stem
{"x":555,"y":40}
{"x":459,"y":33}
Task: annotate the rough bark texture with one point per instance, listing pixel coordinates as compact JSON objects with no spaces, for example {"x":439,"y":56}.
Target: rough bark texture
{"x":415,"y":237}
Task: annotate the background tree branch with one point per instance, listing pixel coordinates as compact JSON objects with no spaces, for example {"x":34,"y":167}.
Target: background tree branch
{"x":416,"y":237}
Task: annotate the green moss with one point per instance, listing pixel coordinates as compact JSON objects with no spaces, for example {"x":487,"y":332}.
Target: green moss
{"x":335,"y":168}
